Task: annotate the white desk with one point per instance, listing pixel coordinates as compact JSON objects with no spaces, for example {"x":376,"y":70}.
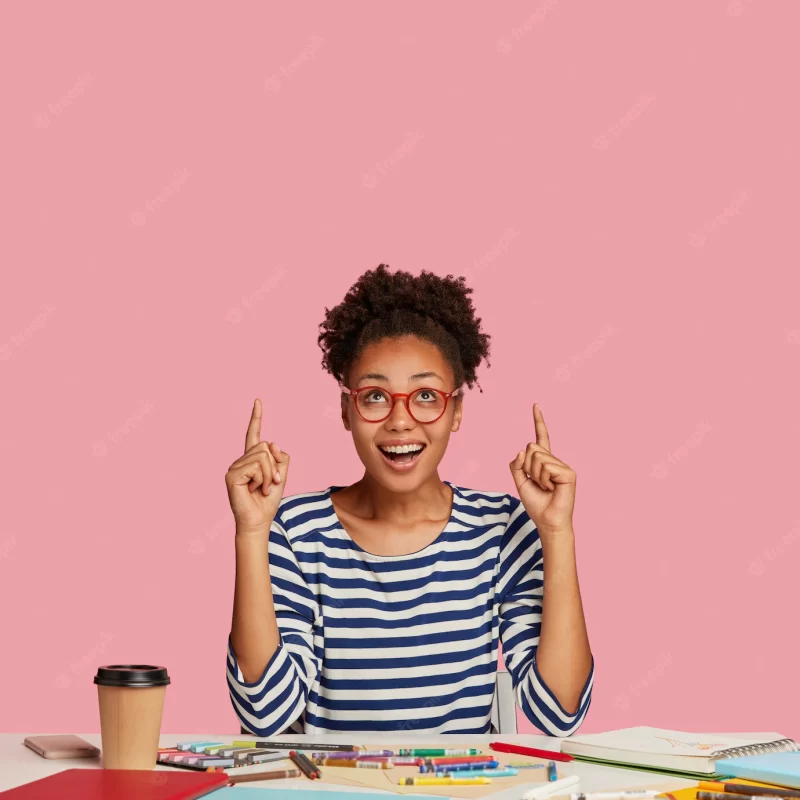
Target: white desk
{"x":19,"y":764}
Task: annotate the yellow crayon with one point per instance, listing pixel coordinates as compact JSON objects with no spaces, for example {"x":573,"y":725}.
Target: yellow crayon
{"x":426,"y":781}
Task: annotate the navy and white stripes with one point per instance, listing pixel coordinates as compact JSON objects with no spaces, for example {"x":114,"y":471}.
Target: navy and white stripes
{"x":384,"y":643}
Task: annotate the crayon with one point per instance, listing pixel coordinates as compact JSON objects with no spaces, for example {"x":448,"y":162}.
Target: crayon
{"x":460,"y":767}
{"x":552,"y":773}
{"x":480,"y":773}
{"x":424,"y":780}
{"x":432,"y":752}
{"x":459,"y":760}
{"x":344,"y":762}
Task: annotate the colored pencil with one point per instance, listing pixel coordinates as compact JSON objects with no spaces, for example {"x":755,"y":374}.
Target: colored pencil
{"x":264,"y":776}
{"x":354,"y":754}
{"x":294,"y":746}
{"x":550,"y":755}
{"x":309,"y":768}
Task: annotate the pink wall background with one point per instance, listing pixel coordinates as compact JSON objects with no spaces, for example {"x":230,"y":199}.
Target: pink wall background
{"x":186,"y":187}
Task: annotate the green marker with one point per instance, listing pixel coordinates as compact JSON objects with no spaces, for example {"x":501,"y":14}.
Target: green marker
{"x":436,"y":753}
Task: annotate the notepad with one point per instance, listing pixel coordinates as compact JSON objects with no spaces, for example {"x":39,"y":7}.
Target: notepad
{"x":119,"y":784}
{"x":781,"y":769}
{"x":692,"y":754}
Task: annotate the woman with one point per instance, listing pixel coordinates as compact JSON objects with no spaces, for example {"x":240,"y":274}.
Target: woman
{"x":378,"y":606}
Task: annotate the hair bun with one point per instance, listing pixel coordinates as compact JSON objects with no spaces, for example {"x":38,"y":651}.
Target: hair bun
{"x":382,"y":304}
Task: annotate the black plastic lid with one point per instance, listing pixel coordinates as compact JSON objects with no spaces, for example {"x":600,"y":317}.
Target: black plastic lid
{"x":141,"y":676}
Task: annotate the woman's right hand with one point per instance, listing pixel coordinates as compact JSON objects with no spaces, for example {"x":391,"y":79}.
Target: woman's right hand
{"x":256,"y":480}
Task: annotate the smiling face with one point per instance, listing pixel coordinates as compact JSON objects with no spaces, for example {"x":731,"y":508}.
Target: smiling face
{"x":401,"y":365}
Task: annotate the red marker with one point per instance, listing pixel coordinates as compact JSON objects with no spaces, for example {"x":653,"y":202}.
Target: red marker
{"x":550,"y":755}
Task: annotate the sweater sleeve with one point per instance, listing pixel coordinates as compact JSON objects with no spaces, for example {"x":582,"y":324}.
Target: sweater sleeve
{"x":278,"y":698}
{"x":521,"y":593}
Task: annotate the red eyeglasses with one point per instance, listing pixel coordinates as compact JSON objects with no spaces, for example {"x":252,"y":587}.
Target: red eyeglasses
{"x":375,"y":404}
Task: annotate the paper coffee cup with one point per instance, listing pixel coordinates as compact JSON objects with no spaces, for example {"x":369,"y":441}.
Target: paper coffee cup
{"x":131,"y":700}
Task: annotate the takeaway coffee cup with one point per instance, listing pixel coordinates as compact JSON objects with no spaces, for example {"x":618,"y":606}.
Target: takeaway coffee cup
{"x":131,"y":704}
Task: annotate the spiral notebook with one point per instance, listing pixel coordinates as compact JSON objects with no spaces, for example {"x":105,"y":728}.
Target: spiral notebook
{"x":692,"y":754}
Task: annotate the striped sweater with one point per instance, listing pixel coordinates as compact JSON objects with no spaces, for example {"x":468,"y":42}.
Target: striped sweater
{"x":384,"y":643}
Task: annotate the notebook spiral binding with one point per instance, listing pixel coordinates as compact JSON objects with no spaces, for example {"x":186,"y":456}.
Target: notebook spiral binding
{"x":780,"y":746}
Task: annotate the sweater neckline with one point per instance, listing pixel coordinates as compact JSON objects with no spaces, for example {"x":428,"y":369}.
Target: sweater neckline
{"x":442,"y":537}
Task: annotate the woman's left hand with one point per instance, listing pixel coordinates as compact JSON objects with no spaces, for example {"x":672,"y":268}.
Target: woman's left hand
{"x":545,"y":484}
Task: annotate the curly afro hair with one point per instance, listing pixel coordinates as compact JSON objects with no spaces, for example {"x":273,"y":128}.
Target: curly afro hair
{"x":381,"y":305}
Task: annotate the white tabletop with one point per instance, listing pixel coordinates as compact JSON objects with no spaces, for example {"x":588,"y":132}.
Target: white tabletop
{"x":19,"y":764}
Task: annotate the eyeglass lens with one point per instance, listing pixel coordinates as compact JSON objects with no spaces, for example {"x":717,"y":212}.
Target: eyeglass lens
{"x":425,"y":405}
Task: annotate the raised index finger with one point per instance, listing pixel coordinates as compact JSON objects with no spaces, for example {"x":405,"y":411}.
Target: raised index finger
{"x":542,"y":437}
{"x":254,"y":428}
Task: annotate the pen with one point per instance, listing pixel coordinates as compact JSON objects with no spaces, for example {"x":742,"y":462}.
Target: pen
{"x":738,"y":788}
{"x":427,"y":781}
{"x":293,"y":746}
{"x":308,"y":767}
{"x":550,"y":755}
{"x":264,"y":776}
{"x":431,"y":752}
{"x":552,"y":774}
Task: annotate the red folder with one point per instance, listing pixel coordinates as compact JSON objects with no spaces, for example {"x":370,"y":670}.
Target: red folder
{"x":119,"y":784}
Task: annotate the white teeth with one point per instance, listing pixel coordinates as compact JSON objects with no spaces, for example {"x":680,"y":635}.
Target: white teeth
{"x":406,"y":448}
